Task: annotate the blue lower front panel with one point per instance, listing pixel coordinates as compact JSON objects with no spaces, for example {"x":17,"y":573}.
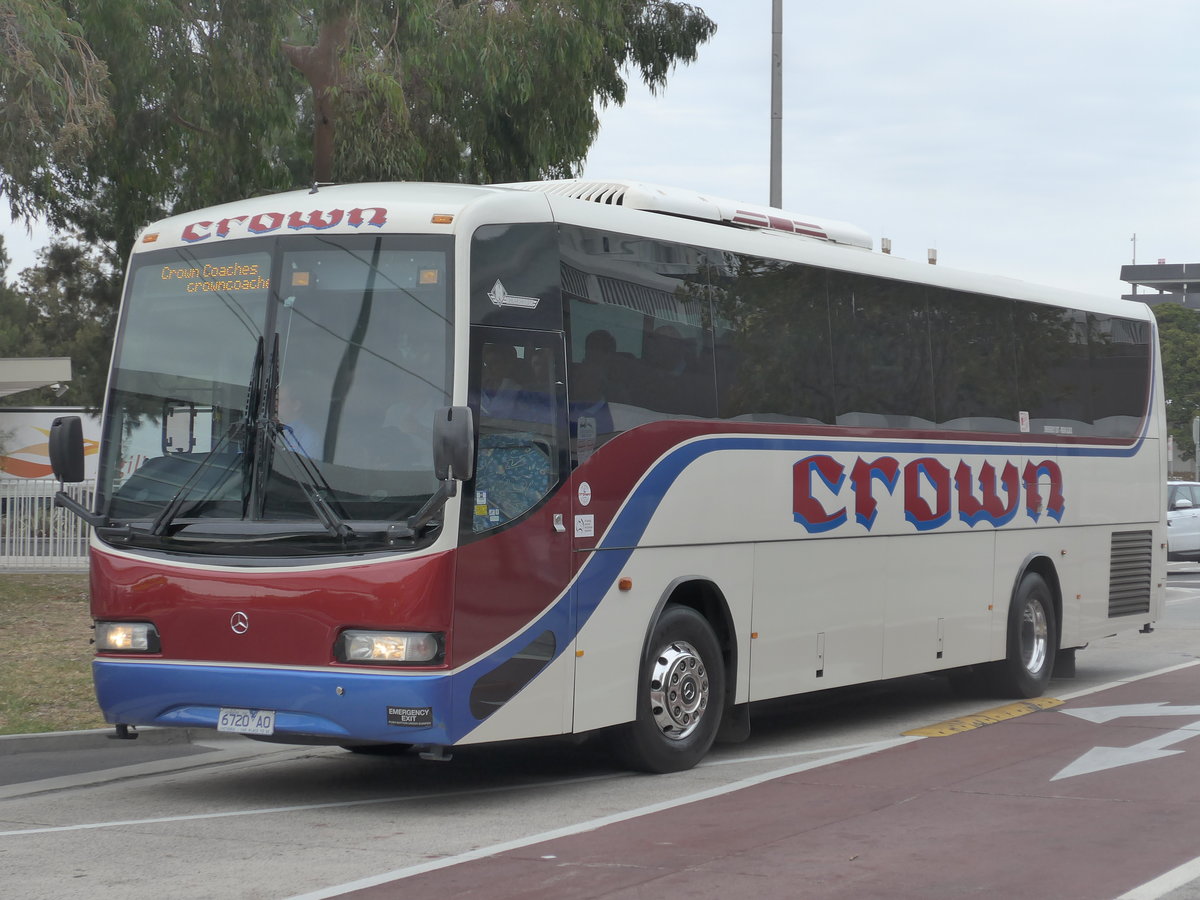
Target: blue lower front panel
{"x":392,"y":707}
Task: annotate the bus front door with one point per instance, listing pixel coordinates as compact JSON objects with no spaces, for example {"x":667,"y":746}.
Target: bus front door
{"x":512,"y":611}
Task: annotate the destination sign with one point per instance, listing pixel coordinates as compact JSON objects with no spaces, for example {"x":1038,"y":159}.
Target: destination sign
{"x":228,"y":276}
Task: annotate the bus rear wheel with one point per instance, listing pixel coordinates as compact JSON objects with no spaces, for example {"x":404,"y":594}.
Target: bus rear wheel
{"x":680,"y":695}
{"x":1032,"y":641}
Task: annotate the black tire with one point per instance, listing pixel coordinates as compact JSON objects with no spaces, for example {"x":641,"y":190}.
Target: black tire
{"x":1032,"y":641}
{"x":680,"y":695}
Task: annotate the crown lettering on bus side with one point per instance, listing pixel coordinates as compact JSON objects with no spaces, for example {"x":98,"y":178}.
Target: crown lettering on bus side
{"x":922,"y":477}
{"x":265,"y":223}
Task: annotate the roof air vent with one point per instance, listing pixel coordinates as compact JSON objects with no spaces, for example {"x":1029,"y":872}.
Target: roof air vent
{"x":690,"y":205}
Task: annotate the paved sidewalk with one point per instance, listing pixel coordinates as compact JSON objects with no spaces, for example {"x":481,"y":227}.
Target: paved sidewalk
{"x":31,"y":763}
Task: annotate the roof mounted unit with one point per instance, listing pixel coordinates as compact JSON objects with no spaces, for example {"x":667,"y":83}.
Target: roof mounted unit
{"x":690,"y":205}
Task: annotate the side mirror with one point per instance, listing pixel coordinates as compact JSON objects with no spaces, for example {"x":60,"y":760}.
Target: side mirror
{"x":453,"y":443}
{"x":1183,"y":503}
{"x":66,"y":449}
{"x":453,"y":460}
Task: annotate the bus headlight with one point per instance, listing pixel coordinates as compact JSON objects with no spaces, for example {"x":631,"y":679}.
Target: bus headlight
{"x":128,"y":637}
{"x":389,"y":647}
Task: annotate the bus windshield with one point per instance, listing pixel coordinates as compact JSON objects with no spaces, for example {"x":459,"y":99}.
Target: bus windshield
{"x":263,"y":387}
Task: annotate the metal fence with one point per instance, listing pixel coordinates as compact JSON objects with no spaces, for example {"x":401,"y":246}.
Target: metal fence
{"x":34,"y":534}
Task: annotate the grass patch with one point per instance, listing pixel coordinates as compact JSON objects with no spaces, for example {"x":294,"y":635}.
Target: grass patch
{"x":46,"y":655}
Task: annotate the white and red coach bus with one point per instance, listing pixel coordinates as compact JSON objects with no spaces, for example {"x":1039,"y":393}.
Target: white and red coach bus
{"x":444,"y":464}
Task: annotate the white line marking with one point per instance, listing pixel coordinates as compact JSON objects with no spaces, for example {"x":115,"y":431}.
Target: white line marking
{"x":1098,"y":759}
{"x":1165,"y":883}
{"x":271,"y":810}
{"x":274,"y":810}
{"x":766,"y":757}
{"x":593,"y":824}
{"x":1112,"y":684}
{"x":1101,"y":714}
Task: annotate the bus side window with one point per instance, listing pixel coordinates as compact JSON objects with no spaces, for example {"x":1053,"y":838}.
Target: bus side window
{"x":516,"y":465}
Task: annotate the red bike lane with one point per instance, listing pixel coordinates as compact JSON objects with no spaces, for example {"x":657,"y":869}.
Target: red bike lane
{"x":1085,"y":800}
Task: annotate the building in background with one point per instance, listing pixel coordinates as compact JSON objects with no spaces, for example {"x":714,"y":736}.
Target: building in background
{"x":1170,"y":283}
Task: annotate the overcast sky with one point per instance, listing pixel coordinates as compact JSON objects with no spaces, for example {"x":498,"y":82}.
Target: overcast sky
{"x":1029,"y":138}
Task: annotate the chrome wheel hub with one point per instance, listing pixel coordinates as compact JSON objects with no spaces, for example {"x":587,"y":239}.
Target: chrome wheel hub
{"x":1034,"y":637}
{"x":678,"y":690}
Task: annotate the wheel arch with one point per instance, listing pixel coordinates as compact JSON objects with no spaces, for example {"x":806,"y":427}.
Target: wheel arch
{"x":1040,"y":564}
{"x":705,"y":597}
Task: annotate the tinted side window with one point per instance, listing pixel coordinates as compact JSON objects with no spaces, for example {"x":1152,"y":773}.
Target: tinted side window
{"x":1120,"y":368}
{"x":974,"y":361}
{"x":1082,"y":373}
{"x":639,"y":330}
{"x":772,"y":341}
{"x":881,"y":362}
{"x":1053,"y":373}
{"x":515,"y":276}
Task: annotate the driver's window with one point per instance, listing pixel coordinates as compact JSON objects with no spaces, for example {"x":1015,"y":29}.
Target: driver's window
{"x":519,"y":385}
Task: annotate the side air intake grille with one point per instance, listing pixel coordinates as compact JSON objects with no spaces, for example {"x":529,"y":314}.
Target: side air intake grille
{"x":1129,"y":573}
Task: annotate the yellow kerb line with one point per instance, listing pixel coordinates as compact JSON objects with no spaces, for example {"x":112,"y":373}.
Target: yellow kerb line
{"x":987,"y":717}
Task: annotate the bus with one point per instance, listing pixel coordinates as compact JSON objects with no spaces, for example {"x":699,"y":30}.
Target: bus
{"x":436,"y":465}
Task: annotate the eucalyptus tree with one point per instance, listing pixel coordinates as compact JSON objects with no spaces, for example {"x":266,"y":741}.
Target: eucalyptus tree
{"x":193,"y":102}
{"x":53,"y":103}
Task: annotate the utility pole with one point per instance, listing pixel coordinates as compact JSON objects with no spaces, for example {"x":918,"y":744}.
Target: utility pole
{"x":777,"y":104}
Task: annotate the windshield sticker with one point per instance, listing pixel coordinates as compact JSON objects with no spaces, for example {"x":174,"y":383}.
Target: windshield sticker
{"x":502,"y":298}
{"x":585,"y":442}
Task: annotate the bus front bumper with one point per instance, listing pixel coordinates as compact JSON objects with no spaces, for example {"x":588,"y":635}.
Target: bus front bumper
{"x":349,"y":705}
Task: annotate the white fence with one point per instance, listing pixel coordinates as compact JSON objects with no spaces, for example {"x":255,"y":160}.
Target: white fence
{"x":34,"y":533}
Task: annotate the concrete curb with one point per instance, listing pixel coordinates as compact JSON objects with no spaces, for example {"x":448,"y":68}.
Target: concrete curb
{"x":89,"y":740}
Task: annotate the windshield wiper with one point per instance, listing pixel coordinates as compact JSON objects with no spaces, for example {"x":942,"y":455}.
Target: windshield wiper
{"x":168,"y":513}
{"x":253,"y":405}
{"x":310,"y":480}
{"x":271,"y":433}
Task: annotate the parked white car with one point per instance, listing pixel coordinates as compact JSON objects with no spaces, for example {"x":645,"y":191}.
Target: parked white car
{"x":1183,"y":520}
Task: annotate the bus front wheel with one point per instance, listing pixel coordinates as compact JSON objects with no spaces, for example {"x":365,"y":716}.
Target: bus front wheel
{"x":680,"y":695}
{"x":1032,"y":641}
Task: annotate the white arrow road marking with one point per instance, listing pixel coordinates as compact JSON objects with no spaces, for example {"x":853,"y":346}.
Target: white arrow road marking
{"x":1100,"y":758}
{"x":1101,"y":714}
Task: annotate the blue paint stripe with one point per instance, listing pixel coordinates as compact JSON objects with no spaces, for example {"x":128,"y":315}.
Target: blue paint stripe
{"x":600,"y":572}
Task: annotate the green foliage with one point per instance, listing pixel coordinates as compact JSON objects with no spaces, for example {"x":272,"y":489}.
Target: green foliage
{"x":1179,"y":337}
{"x":64,"y":306}
{"x":116,"y":113}
{"x":54,"y":108}
{"x":190,"y":104}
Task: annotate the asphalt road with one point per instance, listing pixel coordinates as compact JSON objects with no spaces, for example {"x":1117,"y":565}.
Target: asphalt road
{"x":87,"y":816}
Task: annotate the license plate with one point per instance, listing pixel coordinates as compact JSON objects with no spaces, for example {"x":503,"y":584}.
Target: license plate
{"x":246,"y":721}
